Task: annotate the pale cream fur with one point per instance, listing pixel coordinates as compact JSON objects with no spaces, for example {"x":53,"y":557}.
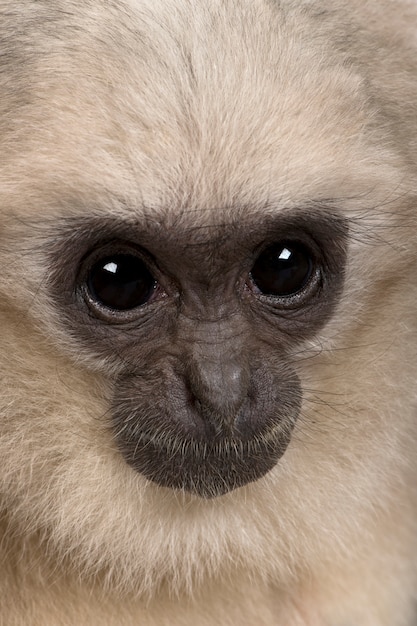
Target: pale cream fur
{"x":287,"y":102}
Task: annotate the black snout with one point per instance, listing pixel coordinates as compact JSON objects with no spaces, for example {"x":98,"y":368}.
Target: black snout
{"x":209,"y":426}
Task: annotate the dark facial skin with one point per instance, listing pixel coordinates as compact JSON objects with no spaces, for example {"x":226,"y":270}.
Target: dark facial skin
{"x":201,"y":323}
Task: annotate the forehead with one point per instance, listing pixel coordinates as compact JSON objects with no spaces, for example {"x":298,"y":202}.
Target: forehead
{"x":122,"y":105}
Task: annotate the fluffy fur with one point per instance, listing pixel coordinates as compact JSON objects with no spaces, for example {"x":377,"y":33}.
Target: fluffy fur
{"x":206,"y":111}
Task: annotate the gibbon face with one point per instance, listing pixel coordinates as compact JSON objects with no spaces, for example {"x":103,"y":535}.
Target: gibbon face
{"x":203,"y":399}
{"x":208,"y":260}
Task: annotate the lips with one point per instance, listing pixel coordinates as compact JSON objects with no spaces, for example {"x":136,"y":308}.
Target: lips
{"x":205,"y":469}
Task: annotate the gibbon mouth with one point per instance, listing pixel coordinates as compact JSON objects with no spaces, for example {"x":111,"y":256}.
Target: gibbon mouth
{"x":197,"y":451}
{"x":202,"y":468}
{"x":173,"y":438}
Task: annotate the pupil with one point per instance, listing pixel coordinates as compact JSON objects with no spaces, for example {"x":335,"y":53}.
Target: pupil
{"x":282,"y":269}
{"x":120,"y":281}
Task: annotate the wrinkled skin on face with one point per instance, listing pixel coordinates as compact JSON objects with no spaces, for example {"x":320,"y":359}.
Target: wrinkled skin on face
{"x":206,"y":398}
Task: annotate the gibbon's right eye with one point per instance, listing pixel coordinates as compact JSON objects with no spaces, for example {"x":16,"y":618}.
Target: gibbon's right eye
{"x":120,"y":282}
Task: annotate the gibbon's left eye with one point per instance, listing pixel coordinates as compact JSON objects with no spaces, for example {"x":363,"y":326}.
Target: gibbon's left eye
{"x":120,"y":282}
{"x":283,"y":269}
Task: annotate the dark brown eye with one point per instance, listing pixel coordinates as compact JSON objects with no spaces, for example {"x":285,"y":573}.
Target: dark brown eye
{"x":282,"y":269}
{"x":120,"y":282}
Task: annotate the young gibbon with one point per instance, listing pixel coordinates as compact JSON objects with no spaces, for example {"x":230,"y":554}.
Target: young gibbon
{"x":208,"y":363}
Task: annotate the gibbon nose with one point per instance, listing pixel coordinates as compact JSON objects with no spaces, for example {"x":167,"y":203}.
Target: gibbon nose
{"x":219,"y":380}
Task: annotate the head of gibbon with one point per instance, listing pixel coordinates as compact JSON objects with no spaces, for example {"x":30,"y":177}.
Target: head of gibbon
{"x":208,"y":273}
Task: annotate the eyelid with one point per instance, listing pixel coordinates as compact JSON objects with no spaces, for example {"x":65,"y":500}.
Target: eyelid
{"x":113,"y":247}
